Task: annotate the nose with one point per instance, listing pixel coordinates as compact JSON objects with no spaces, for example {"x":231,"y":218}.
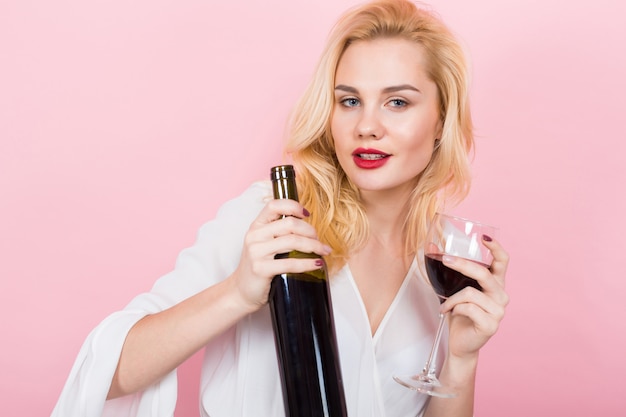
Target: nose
{"x":369,"y":125}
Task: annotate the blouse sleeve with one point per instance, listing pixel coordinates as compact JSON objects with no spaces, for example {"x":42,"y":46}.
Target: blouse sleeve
{"x":212,"y":258}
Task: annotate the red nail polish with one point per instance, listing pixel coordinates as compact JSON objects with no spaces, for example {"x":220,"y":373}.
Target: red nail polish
{"x":487,"y":238}
{"x":306,"y":212}
{"x":319,"y":262}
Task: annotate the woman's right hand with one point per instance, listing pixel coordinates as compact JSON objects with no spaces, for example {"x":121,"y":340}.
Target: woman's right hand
{"x":159,"y":342}
{"x":271,"y":234}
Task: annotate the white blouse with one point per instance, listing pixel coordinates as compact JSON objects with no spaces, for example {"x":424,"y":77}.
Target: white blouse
{"x":240,"y":371}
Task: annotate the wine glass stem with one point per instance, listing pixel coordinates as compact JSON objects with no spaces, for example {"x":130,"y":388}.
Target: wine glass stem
{"x":429,"y":368}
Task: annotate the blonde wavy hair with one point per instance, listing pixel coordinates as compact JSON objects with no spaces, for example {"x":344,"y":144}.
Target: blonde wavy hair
{"x":337,"y":213}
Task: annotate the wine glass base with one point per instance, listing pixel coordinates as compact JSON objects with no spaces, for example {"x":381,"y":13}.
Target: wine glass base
{"x":424,"y":384}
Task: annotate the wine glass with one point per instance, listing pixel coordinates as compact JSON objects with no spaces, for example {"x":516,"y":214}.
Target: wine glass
{"x":448,"y":236}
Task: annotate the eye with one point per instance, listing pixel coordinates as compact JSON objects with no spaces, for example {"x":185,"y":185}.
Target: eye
{"x":398,"y":102}
{"x":349,"y":102}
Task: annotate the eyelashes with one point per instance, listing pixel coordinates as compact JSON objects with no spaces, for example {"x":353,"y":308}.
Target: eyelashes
{"x":350,"y":102}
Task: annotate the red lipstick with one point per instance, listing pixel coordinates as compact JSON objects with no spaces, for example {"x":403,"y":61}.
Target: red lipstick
{"x":369,"y":158}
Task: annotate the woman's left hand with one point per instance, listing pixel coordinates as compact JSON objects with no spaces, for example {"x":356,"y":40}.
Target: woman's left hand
{"x":476,"y":315}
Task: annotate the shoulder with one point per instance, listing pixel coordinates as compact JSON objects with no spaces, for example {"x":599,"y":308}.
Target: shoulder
{"x":248,"y":203}
{"x":218,"y":243}
{"x":234,"y":217}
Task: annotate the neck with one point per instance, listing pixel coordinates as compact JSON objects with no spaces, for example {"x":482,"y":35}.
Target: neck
{"x":386,"y":213}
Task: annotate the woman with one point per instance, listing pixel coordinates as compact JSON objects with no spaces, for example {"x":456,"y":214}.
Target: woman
{"x":379,"y":140}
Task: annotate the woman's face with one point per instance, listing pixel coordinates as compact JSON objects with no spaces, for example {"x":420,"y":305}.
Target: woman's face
{"x":386,"y":115}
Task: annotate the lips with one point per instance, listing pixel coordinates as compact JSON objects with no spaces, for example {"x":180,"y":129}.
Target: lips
{"x":369,"y":158}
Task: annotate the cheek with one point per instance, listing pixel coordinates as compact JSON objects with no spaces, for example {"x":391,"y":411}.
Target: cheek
{"x":421,"y":135}
{"x":338,"y":131}
{"x":335,"y":121}
{"x":421,"y":149}
{"x":426,"y":146}
{"x":340,"y":143}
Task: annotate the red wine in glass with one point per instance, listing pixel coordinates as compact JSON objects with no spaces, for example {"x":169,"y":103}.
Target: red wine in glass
{"x":446,"y":281}
{"x":452,"y":237}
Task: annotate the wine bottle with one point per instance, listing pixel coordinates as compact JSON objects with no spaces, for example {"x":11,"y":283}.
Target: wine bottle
{"x":304,"y":330}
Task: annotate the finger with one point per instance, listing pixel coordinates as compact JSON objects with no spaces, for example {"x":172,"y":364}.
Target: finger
{"x":492,"y":305}
{"x":500,"y":258}
{"x":483,"y":322}
{"x":283,"y":236}
{"x":290,"y":242}
{"x":470,"y":295}
{"x":264,"y":235}
{"x":290,"y":225}
{"x":271,"y":268}
{"x":298,"y":265}
{"x":474,"y":270}
{"x":277,"y":208}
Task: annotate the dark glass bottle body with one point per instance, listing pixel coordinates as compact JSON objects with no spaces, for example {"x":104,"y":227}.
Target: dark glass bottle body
{"x":304,"y":330}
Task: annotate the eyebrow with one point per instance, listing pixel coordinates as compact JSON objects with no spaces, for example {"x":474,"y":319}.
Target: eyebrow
{"x":386,"y":90}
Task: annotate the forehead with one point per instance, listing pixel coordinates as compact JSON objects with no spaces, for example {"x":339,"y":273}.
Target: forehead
{"x":382,"y":61}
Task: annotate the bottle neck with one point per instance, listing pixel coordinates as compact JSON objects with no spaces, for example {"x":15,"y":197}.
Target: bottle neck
{"x":284,"y":182}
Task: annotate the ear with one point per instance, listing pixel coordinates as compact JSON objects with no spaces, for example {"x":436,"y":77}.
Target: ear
{"x":439,"y":130}
{"x":438,"y":134}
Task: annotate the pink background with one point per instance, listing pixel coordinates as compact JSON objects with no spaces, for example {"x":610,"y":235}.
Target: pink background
{"x":124,"y":125}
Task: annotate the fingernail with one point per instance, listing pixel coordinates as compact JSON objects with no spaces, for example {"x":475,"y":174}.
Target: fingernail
{"x":319,"y":262}
{"x":487,"y":238}
{"x":447,"y":259}
{"x":327,"y":249}
{"x":306,"y":212}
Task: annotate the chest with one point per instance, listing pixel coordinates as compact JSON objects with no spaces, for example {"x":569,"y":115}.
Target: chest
{"x":378,"y":277}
